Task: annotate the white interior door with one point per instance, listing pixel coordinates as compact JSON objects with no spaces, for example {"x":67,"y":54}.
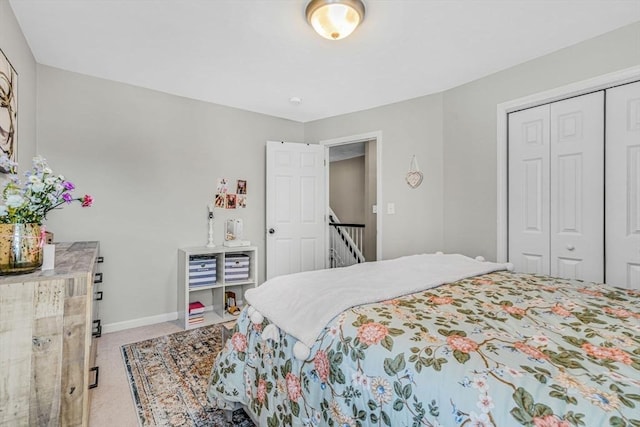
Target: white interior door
{"x":295,"y":192}
{"x":577,"y":188}
{"x":623,"y":186}
{"x":529,"y":190}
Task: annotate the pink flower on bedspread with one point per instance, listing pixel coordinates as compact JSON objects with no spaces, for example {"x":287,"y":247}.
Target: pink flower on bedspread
{"x":293,"y":387}
{"x":514,"y":310}
{"x":560,"y":311}
{"x":440,"y":300}
{"x":591,"y":292}
{"x":321,"y":363}
{"x":483,"y":282}
{"x":607,"y":353}
{"x":261,"y":392}
{"x":531,"y":351}
{"x":372,"y":333}
{"x":239,"y":342}
{"x":464,"y":344}
{"x":550,"y":421}
{"x":620,"y":312}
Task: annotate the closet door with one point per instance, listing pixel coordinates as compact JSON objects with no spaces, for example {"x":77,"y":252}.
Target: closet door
{"x":623,"y":186}
{"x":529,"y":190}
{"x":577,"y":188}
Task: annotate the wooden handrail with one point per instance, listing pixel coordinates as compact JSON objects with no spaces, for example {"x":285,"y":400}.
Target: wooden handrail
{"x":344,"y":224}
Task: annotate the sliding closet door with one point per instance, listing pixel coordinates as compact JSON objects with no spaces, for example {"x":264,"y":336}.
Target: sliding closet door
{"x":577,"y":188}
{"x":529,"y":190}
{"x":623,"y":186}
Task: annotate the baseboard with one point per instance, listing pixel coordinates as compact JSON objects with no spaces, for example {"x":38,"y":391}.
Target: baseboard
{"x":136,"y":323}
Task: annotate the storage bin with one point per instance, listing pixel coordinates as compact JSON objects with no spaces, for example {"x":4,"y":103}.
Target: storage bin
{"x":236,"y":267}
{"x":202,"y":270}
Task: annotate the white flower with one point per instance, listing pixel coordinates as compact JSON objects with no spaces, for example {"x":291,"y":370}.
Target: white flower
{"x":480,"y":382}
{"x":481,"y":420}
{"x":37,"y":187}
{"x":47,"y":169}
{"x":49,"y":180}
{"x":3,"y":210}
{"x":14,"y":200}
{"x":39,"y":162}
{"x":334,"y":330}
{"x":485,"y":403}
{"x":359,"y":379}
{"x":59,"y":187}
{"x":34,"y":179}
{"x":381,"y":390}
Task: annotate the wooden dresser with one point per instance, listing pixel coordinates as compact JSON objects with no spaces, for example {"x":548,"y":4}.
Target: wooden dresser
{"x":47,"y":350}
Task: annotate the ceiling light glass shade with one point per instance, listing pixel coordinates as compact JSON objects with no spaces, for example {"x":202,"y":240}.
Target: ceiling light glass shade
{"x":335,"y":19}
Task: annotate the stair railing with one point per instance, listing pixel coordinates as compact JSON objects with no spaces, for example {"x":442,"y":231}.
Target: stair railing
{"x":347,"y":242}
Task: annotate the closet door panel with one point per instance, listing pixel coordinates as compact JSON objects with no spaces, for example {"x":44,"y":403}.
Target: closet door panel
{"x":577,"y":185}
{"x":529,"y":190}
{"x":623,"y":186}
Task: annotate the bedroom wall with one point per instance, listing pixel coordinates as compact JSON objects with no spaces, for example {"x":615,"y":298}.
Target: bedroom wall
{"x":15,"y":47}
{"x":408,"y":128}
{"x":470,"y":130}
{"x":150,"y":160}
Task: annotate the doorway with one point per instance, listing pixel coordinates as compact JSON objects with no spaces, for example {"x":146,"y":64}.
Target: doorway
{"x":353,"y":188}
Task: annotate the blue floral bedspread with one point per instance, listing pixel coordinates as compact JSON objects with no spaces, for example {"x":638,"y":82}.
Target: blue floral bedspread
{"x":500,"y":349}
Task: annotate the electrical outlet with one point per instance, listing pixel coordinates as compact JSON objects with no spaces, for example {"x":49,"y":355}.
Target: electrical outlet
{"x":374,"y":209}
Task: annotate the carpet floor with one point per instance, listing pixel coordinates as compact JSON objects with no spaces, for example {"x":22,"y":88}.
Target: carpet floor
{"x":169,"y":377}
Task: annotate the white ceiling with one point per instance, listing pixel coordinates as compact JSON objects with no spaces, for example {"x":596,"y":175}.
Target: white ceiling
{"x":257,"y":54}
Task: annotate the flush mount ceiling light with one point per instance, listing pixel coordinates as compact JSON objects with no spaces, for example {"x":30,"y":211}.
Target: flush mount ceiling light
{"x":335,"y":19}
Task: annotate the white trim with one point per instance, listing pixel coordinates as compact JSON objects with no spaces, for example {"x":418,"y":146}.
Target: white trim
{"x":606,"y":81}
{"x":377,"y":135}
{"x":136,"y":323}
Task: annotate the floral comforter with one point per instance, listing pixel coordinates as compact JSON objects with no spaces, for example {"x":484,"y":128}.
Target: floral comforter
{"x":501,"y":349}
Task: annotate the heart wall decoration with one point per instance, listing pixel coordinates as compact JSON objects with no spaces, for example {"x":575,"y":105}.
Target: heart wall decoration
{"x":414,"y":176}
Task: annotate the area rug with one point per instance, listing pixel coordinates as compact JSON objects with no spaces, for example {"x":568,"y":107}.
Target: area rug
{"x":169,"y":377}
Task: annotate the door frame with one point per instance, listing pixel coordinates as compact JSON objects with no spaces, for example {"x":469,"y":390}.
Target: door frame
{"x":606,"y":81}
{"x":363,"y":137}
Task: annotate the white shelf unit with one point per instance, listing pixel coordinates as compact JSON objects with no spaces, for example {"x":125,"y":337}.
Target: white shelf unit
{"x":213,"y":296}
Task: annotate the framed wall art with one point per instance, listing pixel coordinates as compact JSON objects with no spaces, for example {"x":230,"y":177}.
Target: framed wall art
{"x":8,"y":110}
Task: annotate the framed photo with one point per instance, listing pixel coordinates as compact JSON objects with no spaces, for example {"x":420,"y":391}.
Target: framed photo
{"x":220,"y":201}
{"x":8,"y":110}
{"x":241,"y":187}
{"x":231,"y":201}
{"x":222,"y":185}
{"x":241,"y":201}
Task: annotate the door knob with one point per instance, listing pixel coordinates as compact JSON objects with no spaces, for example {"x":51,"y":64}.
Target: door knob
{"x":570,"y":247}
{"x":271,"y":231}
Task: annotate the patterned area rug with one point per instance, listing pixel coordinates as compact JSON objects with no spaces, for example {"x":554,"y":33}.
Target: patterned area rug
{"x":168,"y":378}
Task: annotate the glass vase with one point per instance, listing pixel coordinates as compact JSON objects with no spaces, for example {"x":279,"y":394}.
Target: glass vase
{"x":20,"y":248}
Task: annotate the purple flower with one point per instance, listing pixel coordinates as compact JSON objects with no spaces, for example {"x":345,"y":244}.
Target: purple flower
{"x":67,"y":197}
{"x":68,"y":186}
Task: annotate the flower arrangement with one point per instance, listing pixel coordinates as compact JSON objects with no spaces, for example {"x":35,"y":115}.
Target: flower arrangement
{"x":43,"y":191}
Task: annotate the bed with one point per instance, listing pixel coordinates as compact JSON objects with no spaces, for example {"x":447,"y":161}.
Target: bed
{"x":491,"y":349}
